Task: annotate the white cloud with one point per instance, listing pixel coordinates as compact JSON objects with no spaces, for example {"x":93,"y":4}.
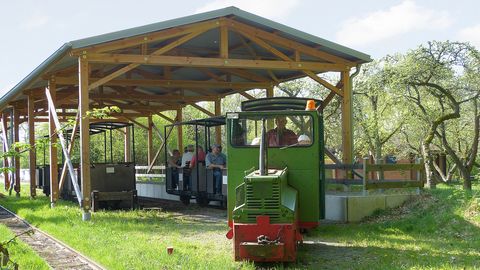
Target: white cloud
{"x":471,"y":34}
{"x":397,"y":20}
{"x":273,"y":9}
{"x":35,"y":21}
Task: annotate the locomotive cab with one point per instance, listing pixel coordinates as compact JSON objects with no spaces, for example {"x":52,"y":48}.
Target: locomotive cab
{"x":276,"y":180}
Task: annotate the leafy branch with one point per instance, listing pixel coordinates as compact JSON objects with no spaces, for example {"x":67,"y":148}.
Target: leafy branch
{"x":5,"y":260}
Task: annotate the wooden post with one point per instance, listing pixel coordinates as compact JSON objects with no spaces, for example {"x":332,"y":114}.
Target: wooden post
{"x":83,"y":100}
{"x":150,"y":140}
{"x":218,"y":129}
{"x":6,"y":162}
{"x":223,"y":42}
{"x":127,"y":151}
{"x":179,"y":131}
{"x":270,"y":92}
{"x":32,"y":153}
{"x":347,"y":124}
{"x":365,"y":176}
{"x":54,"y":191}
{"x":16,"y":139}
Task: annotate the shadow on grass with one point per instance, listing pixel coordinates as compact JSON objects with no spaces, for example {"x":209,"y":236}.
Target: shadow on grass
{"x":429,"y":232}
{"x":327,"y":256}
{"x":38,"y":213}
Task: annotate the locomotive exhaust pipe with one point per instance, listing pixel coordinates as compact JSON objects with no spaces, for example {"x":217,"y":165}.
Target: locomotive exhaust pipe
{"x":263,"y":155}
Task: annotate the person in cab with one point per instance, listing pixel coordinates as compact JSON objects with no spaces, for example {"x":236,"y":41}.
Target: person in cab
{"x":281,"y":136}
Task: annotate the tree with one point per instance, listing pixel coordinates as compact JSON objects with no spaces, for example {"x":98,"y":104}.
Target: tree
{"x":376,"y":113}
{"x":437,"y":80}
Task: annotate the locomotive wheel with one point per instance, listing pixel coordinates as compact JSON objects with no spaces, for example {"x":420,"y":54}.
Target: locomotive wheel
{"x":202,"y":201}
{"x":185,"y":199}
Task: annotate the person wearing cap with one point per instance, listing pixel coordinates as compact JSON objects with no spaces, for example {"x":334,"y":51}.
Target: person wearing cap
{"x":216,"y":161}
{"x":281,"y":136}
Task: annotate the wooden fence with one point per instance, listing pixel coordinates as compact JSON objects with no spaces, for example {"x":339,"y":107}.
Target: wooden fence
{"x":345,"y":170}
{"x":369,"y":184}
{"x":371,"y":176}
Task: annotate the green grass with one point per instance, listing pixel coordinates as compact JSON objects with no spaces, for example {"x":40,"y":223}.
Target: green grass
{"x":132,"y":239}
{"x":20,"y":252}
{"x":440,"y":230}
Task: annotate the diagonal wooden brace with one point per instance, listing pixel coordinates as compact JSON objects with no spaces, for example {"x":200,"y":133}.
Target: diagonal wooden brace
{"x":70,"y":149}
{"x":58,"y":127}
{"x":164,"y":144}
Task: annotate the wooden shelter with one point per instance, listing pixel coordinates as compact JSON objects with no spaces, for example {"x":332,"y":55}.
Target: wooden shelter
{"x":169,"y":65}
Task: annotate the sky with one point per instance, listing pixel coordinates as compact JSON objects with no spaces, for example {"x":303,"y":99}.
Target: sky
{"x":31,"y":30}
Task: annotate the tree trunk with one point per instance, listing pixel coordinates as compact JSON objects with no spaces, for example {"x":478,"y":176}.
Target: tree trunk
{"x":428,"y":166}
{"x":467,"y":182}
{"x":378,"y":158}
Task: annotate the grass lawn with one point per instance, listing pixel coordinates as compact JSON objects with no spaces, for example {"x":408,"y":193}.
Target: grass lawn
{"x":440,"y":230}
{"x":20,"y":252}
{"x":132,"y":239}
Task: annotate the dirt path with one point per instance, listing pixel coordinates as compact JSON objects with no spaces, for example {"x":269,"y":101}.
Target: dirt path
{"x":209,"y":214}
{"x":55,"y":253}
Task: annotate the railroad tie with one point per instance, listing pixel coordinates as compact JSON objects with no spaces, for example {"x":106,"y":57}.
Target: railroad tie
{"x":57,"y":254}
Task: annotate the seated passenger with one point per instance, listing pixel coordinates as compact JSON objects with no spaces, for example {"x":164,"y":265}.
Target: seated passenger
{"x":216,"y":161}
{"x":187,"y":155}
{"x":186,"y":158}
{"x":201,"y":157}
{"x":174,"y":162}
{"x":281,"y":136}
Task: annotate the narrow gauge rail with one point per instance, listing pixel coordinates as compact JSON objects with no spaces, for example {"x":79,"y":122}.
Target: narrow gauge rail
{"x":56,"y":253}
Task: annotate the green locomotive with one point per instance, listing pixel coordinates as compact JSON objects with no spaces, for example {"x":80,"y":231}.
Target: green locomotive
{"x":276,"y":184}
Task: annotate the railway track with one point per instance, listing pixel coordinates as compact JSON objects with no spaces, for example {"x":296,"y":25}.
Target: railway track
{"x":57,"y":254}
